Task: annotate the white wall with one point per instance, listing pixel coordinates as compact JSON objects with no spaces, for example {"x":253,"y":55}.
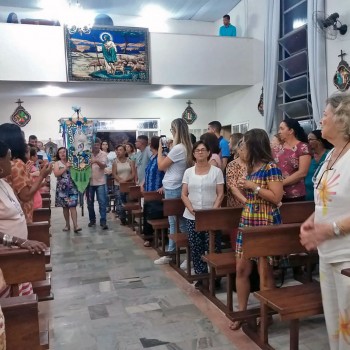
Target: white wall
{"x":46,"y":112}
{"x":342,"y":42}
{"x":175,"y":59}
{"x":241,"y":106}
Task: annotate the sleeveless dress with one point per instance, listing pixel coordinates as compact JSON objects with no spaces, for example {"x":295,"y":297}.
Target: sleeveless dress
{"x":66,"y":190}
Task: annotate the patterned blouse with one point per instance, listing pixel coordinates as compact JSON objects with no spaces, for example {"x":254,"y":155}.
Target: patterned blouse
{"x":288,"y":161}
{"x":153,"y":176}
{"x":234,"y":172}
{"x":19,"y":179}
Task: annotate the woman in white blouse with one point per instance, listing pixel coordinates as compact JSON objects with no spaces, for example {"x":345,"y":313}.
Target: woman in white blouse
{"x":202,"y":188}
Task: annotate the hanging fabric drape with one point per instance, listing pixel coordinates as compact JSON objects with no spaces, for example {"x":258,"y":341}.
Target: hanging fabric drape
{"x":317,"y":61}
{"x":272,"y":30}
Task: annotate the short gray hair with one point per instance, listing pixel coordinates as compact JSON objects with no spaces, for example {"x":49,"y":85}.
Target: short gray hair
{"x":340,"y":103}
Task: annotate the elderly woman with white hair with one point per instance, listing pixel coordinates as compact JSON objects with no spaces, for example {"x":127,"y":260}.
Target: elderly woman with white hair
{"x":328,"y":229}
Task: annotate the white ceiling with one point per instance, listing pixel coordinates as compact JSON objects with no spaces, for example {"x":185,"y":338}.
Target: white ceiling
{"x":199,"y":10}
{"x":15,"y":89}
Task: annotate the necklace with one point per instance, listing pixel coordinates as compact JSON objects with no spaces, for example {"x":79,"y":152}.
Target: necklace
{"x":14,"y":202}
{"x":330,"y":167}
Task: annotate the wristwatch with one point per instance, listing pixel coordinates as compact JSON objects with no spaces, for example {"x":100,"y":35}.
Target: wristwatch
{"x":336,"y":229}
{"x":256,"y":191}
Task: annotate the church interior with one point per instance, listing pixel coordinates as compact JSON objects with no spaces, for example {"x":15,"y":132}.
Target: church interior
{"x":131,"y":68}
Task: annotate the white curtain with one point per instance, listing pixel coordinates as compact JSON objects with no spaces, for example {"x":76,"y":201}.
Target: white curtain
{"x":272,"y":29}
{"x":317,"y":61}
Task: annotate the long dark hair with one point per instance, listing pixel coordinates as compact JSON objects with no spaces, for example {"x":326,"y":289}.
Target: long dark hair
{"x":299,"y":132}
{"x":12,"y":135}
{"x":58,"y":153}
{"x":258,"y":148}
{"x":3,"y":149}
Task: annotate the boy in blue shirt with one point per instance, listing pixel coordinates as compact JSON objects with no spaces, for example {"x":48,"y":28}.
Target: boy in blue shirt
{"x":227,"y":29}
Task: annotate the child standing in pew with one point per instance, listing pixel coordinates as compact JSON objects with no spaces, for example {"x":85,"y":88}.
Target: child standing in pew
{"x":263,"y":189}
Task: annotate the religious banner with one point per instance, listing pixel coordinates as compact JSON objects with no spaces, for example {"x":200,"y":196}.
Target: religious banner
{"x":189,"y":115}
{"x":341,"y":77}
{"x":78,"y":135}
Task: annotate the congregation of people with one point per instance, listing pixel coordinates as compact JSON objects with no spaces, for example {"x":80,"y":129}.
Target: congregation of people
{"x":250,"y":171}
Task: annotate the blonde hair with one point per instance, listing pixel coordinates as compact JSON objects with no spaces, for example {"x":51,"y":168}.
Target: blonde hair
{"x":182,"y":135}
{"x":340,"y":103}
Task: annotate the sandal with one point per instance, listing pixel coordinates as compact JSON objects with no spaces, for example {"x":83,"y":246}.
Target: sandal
{"x":66,"y":229}
{"x":78,"y":229}
{"x":147,"y":244}
{"x":235,"y":325}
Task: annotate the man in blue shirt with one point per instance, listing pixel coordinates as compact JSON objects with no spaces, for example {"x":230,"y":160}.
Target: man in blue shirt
{"x":215,"y":128}
{"x":227,"y":29}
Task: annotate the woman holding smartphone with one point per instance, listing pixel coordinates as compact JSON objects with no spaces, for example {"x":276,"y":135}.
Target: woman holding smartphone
{"x":174,"y":164}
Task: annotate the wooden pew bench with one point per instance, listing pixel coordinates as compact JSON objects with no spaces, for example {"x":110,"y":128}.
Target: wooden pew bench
{"x":291,"y":303}
{"x":219,"y":264}
{"x":131,"y":204}
{"x":22,"y":323}
{"x":160,"y":226}
{"x":42,"y":214}
{"x":346,"y":272}
{"x":136,"y":195}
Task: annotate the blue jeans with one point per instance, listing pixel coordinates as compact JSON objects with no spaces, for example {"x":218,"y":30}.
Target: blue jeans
{"x":102,"y":202}
{"x":171,"y":194}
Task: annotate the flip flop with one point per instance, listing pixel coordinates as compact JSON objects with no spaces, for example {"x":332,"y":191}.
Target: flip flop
{"x":76,"y":230}
{"x":66,"y":229}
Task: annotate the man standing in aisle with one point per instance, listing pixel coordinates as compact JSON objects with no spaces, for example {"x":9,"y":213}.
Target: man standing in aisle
{"x":227,"y":29}
{"x":97,"y":185}
{"x":215,"y":128}
{"x":142,"y":157}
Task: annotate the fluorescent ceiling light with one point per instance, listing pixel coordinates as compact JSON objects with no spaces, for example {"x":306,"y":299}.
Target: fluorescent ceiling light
{"x":154,"y":18}
{"x":167,"y":92}
{"x":52,"y":91}
{"x":155,"y":12}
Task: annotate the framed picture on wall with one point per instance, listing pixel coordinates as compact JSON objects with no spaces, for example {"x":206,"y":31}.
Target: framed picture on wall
{"x":108,"y":54}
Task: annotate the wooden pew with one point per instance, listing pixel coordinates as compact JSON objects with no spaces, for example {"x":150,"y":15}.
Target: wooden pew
{"x":130,"y":205}
{"x":175,"y":207}
{"x":160,"y":226}
{"x":42,"y":214}
{"x":346,"y":272}
{"x":46,"y":203}
{"x":39,"y":231}
{"x":291,"y":303}
{"x":135,"y":195}
{"x":22,"y":323}
{"x":222,"y":264}
{"x":45,"y":195}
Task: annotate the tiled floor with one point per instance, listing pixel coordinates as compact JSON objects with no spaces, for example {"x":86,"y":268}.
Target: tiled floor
{"x":110,"y":296}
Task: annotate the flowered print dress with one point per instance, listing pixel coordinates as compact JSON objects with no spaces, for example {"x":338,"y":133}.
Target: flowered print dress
{"x":258,"y":211}
{"x":288,"y":161}
{"x":66,"y":190}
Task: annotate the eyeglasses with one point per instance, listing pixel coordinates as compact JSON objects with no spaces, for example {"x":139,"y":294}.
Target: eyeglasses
{"x":201,"y":150}
{"x":325,"y":172}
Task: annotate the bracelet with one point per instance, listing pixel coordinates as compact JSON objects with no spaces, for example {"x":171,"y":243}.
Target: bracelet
{"x":7,"y":240}
{"x":24,"y":243}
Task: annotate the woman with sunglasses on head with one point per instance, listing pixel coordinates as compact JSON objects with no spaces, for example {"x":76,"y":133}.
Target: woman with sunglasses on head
{"x":293,"y":158}
{"x":328,"y":229}
{"x":263,"y":191}
{"x":202,"y":188}
{"x":174,"y":165}
{"x":319,"y":149}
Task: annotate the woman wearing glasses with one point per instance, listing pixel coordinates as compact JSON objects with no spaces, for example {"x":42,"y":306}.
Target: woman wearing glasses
{"x":293,"y":158}
{"x":328,"y":229}
{"x":174,"y":164}
{"x":319,"y":148}
{"x":263,"y":191}
{"x":202,"y":188}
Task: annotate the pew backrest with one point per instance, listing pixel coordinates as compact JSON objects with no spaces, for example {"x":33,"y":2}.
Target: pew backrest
{"x":39,"y":231}
{"x":296,"y":212}
{"x":263,"y":241}
{"x":42,"y":214}
{"x":217,"y":219}
{"x":135,"y":193}
{"x":124,"y":187}
{"x":152,"y":196}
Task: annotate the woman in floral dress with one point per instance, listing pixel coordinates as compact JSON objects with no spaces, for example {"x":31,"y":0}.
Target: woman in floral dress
{"x":263,"y":191}
{"x":66,"y":190}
